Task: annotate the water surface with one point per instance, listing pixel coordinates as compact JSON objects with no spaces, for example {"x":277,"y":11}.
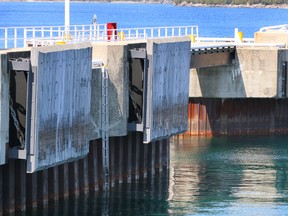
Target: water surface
{"x":212,"y":22}
{"x":207,"y":176}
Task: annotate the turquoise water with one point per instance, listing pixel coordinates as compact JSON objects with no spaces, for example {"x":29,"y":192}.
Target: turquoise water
{"x":207,"y":176}
{"x":231,"y":176}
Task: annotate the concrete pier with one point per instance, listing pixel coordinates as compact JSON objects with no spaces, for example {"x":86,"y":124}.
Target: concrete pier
{"x":56,"y":102}
{"x":52,"y":117}
{"x":245,"y":97}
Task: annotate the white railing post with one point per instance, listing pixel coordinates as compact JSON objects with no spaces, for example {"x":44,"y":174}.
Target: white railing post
{"x":42,"y":33}
{"x":90,"y":32}
{"x":15,"y":38}
{"x":6,"y":38}
{"x":25,"y":37}
{"x":83,"y":32}
{"x":33,"y":32}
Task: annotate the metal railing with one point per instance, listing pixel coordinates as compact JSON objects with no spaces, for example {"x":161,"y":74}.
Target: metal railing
{"x":223,"y":40}
{"x":16,"y":37}
{"x":275,"y":28}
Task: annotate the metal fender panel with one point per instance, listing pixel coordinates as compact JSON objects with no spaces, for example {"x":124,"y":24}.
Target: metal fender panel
{"x":60,"y":105}
{"x":167,"y":89}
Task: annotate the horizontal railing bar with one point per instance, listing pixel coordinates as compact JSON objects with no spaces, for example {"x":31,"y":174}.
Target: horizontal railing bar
{"x":92,"y":32}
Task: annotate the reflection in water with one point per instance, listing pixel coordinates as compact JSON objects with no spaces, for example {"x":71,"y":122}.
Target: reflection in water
{"x":236,"y":175}
{"x":208,"y":176}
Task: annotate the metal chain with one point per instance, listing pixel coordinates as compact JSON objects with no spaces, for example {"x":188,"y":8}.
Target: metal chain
{"x":138,"y":115}
{"x":20,"y":135}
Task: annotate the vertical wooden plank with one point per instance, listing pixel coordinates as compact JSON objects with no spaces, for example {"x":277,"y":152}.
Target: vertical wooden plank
{"x":143,"y":158}
{"x":237,"y":116}
{"x":74,"y":178}
{"x":202,"y":117}
{"x":31,"y":190}
{"x":128,"y":153}
{"x":195,"y":116}
{"x":264,"y":122}
{"x":249,"y":116}
{"x":285,"y":118}
{"x":20,"y":185}
{"x":230,"y":116}
{"x":100,"y":163}
{"x":244,"y":117}
{"x":42,"y":190}
{"x":257,"y":117}
{"x":152,"y":154}
{"x":282,"y":115}
{"x":209,"y":116}
{"x":137,"y":155}
{"x":83,"y":175}
{"x":93,"y":166}
{"x":9,"y":187}
{"x":1,"y":191}
{"x":64,"y":180}
{"x":272,"y":116}
{"x":277,"y":117}
{"x":217,"y":105}
{"x":112,"y":146}
{"x":159,"y":155}
{"x":156,"y":165}
{"x":120,"y":159}
{"x":188,"y":132}
{"x":164,"y":154}
{"x":224,"y":116}
{"x":53,"y":184}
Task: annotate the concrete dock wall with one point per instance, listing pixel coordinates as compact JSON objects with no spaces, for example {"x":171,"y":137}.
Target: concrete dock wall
{"x":61,"y":101}
{"x":4,"y":107}
{"x":167,"y":88}
{"x":256,"y":72}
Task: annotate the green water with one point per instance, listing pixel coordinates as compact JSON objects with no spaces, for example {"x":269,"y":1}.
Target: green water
{"x":207,"y":176}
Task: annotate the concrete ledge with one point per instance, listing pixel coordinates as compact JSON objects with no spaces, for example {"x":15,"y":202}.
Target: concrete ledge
{"x":256,"y":72}
{"x":271,"y":37}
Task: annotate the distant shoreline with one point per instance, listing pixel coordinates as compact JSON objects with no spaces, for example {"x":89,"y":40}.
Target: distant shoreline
{"x":182,"y":4}
{"x":284,"y":6}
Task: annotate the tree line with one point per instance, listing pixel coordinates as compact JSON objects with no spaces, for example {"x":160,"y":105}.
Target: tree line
{"x":234,"y":2}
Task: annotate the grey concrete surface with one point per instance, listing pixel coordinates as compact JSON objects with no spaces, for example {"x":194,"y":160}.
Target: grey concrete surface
{"x":114,"y":57}
{"x":254,"y":73}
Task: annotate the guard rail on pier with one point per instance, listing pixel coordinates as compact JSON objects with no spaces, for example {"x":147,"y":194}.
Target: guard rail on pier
{"x":17,"y":37}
